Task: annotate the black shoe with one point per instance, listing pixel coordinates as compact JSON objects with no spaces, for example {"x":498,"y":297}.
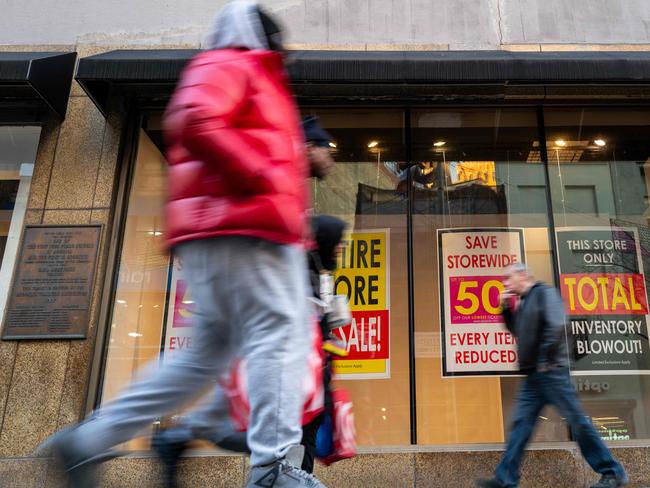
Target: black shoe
{"x":235,"y":442}
{"x":611,"y":481}
{"x":489,"y":483}
{"x":169,"y":445}
{"x":80,"y":470}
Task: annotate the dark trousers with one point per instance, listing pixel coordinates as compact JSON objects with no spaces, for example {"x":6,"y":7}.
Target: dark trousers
{"x":552,"y":388}
{"x":309,"y":432}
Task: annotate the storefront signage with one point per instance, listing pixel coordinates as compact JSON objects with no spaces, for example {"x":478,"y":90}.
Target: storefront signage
{"x":471,"y":263}
{"x":363,"y":275}
{"x":603,"y":286}
{"x":52,"y":290}
{"x":592,"y":386}
{"x":178,"y":333}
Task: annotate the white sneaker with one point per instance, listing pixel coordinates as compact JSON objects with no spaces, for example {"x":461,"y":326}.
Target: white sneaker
{"x":284,"y":473}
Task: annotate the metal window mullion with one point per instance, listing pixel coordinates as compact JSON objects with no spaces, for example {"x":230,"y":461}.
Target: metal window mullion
{"x":411,"y":288}
{"x":126,"y":167}
{"x":543,"y":154}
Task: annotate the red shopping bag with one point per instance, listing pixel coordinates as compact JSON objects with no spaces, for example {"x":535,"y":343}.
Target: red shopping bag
{"x":343,"y":433}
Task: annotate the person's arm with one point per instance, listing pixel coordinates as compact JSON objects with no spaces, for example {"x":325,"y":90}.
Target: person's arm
{"x":508,"y":315}
{"x":206,"y":108}
{"x":553,"y":323}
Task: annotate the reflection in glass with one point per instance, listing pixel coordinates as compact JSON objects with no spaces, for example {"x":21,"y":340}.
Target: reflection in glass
{"x":138,"y":312}
{"x":363,"y":190}
{"x":598,"y":160}
{"x":486,"y":174}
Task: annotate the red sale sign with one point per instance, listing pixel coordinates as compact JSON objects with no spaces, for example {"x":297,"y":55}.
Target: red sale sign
{"x":604,"y":293}
{"x":472,"y":262}
{"x":367,"y":336}
{"x":179,"y":313}
{"x":182,"y":305}
{"x":363,"y":275}
{"x":475,"y":299}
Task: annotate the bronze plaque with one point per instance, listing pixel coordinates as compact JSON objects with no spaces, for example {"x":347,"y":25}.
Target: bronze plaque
{"x":53,"y":283}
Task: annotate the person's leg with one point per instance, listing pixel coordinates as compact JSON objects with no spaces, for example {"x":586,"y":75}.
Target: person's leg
{"x":169,"y":445}
{"x":206,"y":268}
{"x":209,"y":421}
{"x":272,"y":304}
{"x":562,"y":394}
{"x":309,"y":433}
{"x":528,"y":405}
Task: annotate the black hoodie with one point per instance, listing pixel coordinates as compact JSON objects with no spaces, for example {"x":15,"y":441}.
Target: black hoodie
{"x":328,"y":232}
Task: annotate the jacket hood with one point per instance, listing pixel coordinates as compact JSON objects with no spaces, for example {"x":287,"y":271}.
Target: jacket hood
{"x":237,"y":25}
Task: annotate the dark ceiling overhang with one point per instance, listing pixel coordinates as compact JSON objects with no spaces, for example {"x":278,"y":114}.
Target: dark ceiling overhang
{"x":155,"y":71}
{"x":403,"y":75}
{"x":41,"y":77}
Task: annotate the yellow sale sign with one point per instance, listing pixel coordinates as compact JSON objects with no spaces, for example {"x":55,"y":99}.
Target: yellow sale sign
{"x":363,"y":275}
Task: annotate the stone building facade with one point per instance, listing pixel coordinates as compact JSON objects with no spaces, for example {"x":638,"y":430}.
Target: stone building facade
{"x":526,"y":73}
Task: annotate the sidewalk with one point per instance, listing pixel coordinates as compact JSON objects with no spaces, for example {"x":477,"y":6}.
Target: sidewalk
{"x":557,"y":468}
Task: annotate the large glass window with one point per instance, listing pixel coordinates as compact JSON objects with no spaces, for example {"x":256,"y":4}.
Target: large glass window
{"x":598,"y":162}
{"x":18,"y":146}
{"x":137,"y":323}
{"x":363,"y":191}
{"x":480,"y":200}
{"x":152,"y":307}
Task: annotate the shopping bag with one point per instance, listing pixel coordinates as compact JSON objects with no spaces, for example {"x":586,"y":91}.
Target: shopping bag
{"x":343,"y":442}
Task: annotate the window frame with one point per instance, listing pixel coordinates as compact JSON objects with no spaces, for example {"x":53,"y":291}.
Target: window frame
{"x":4,"y":299}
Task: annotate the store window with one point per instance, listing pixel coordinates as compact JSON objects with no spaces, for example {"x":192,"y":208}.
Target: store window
{"x":18,"y":147}
{"x":151,"y":309}
{"x":363,"y":190}
{"x":480,"y":200}
{"x":137,"y":323}
{"x":598,"y":169}
{"x":480,"y":203}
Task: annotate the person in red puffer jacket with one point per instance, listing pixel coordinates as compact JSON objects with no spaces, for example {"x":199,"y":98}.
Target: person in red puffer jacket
{"x":236,"y":218}
{"x":236,"y":150}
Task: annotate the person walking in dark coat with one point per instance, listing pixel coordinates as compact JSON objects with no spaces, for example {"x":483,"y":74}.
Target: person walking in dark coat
{"x":538,"y":323}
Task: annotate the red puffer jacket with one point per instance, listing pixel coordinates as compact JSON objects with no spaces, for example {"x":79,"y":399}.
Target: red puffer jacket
{"x":236,"y":151}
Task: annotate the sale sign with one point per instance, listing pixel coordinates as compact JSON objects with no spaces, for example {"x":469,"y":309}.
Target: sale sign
{"x":480,"y":308}
{"x":363,"y":275}
{"x":179,"y":313}
{"x":471,"y":265}
{"x":603,"y":285}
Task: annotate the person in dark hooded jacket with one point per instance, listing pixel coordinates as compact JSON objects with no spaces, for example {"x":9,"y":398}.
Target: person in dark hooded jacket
{"x":328,"y":233}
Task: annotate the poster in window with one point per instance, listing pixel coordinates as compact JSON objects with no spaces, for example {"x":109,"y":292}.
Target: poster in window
{"x":363,"y":275}
{"x":471,"y":267}
{"x":178,"y":333}
{"x":604,"y":289}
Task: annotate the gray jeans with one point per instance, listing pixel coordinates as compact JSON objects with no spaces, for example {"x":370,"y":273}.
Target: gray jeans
{"x":249,"y":299}
{"x":211,"y":420}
